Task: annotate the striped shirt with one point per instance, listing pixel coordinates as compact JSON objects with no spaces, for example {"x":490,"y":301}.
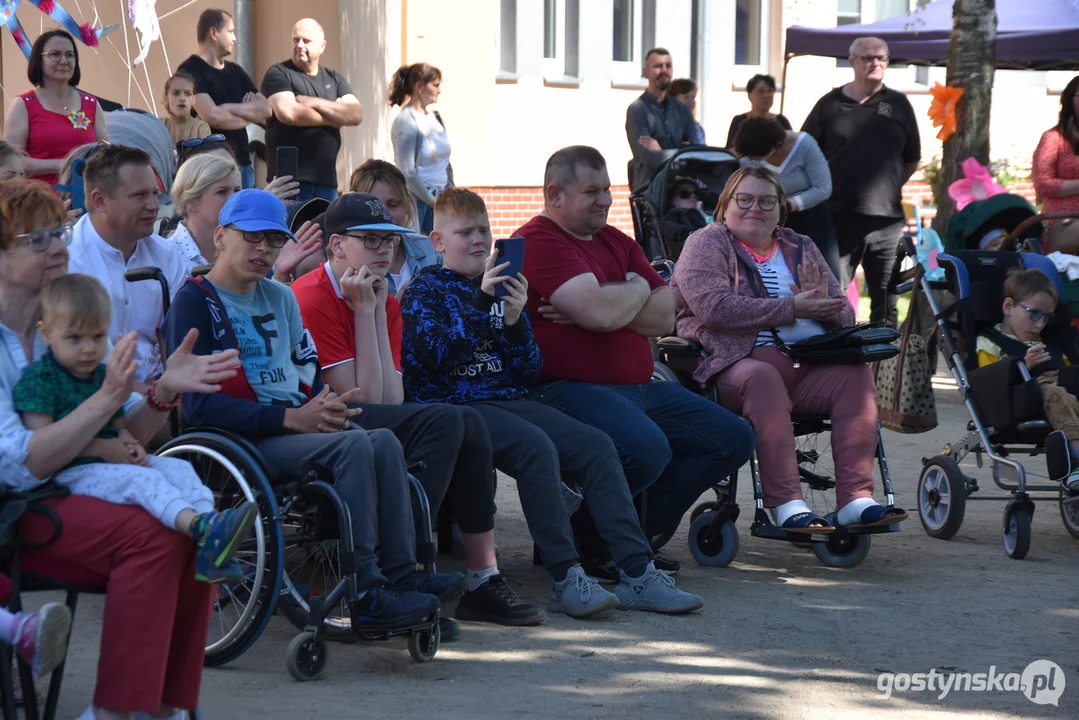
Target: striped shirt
{"x":777,"y":279}
{"x":804,"y":173}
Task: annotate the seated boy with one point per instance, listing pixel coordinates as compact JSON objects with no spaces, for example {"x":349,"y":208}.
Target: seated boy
{"x":278,"y":402}
{"x":1030,"y":297}
{"x":356,"y":323}
{"x":462,"y":345}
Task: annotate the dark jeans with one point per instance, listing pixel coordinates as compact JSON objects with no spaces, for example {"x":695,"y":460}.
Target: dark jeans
{"x":872,"y":242}
{"x":368,"y":471}
{"x":452,"y":442}
{"x":537,"y":446}
{"x":669,"y":440}
{"x":310,"y":191}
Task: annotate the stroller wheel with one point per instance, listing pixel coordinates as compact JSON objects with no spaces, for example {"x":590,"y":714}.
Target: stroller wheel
{"x":942,"y":497}
{"x":842,"y":550}
{"x":1016,"y":532}
{"x":1069,"y":512}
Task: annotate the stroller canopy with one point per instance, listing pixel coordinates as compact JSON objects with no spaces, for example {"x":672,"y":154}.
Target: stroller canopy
{"x":1041,"y":35}
{"x":1005,"y":211}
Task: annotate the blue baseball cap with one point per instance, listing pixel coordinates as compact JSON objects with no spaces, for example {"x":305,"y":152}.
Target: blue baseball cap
{"x":358,"y":211}
{"x":255,"y":211}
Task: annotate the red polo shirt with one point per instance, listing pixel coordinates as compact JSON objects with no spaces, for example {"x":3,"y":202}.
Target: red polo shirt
{"x":331,"y":321}
{"x":552,"y":257}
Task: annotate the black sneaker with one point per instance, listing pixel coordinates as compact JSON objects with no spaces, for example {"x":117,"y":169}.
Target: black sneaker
{"x":447,"y":587}
{"x":602,"y":569}
{"x":495,"y":602}
{"x":386,"y":608}
{"x":448,"y":629}
{"x":666,"y":564}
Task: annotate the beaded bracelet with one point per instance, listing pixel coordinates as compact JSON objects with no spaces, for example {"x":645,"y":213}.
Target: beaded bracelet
{"x":153,"y":401}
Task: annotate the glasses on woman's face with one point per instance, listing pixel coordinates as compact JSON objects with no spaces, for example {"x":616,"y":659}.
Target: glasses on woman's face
{"x":1036,"y":316}
{"x":374,"y":242}
{"x":41,"y":240}
{"x":766,"y":203}
{"x":275,"y":240}
{"x":56,"y":56}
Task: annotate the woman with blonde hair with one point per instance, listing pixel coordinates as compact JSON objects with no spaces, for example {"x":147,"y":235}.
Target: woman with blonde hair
{"x":386,"y":182}
{"x":201,"y":187}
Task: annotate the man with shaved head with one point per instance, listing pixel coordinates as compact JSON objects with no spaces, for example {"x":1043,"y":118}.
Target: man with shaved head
{"x":310,"y":106}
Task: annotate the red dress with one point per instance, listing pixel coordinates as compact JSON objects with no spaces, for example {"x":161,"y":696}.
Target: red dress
{"x":1055,"y":161}
{"x":53,"y":135}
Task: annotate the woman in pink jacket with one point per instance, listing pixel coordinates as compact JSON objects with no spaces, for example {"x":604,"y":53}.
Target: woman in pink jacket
{"x":1055,"y":169}
{"x":743,"y":284}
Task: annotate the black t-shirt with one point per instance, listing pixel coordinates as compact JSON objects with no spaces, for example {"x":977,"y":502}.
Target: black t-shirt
{"x":227,"y":85}
{"x":866,"y":144}
{"x":736,"y":124}
{"x":318,"y":146}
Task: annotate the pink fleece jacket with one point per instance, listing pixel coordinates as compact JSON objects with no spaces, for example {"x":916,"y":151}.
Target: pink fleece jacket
{"x":717,"y":307}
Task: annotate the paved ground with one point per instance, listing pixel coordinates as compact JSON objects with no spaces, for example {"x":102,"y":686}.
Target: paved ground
{"x":780,"y":636}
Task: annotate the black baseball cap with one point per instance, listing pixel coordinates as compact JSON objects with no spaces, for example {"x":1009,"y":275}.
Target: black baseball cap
{"x":310,"y":210}
{"x":359,"y":211}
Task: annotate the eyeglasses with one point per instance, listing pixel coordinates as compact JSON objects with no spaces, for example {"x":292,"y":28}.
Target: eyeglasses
{"x":195,"y":142}
{"x":686,"y":195}
{"x":41,"y":240}
{"x":56,"y":56}
{"x":374,"y":242}
{"x":764,"y":202}
{"x":1036,"y":316}
{"x":275,"y":240}
{"x":867,"y":59}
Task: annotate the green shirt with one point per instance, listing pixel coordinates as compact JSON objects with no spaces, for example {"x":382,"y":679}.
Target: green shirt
{"x":48,"y":388}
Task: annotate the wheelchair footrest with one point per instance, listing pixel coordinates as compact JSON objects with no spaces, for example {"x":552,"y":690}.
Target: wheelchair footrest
{"x":378,"y":634}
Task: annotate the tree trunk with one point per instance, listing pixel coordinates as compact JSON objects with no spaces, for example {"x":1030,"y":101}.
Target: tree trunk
{"x":972,"y":57}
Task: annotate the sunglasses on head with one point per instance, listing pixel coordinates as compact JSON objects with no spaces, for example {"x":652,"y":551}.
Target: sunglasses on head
{"x":195,"y":142}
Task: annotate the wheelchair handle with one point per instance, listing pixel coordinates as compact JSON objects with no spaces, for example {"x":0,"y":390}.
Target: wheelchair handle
{"x":151,"y":273}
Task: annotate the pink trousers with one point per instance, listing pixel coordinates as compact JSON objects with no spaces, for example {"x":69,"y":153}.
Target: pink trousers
{"x":766,"y":388}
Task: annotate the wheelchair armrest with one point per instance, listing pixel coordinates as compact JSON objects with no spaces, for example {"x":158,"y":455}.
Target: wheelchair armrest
{"x":677,"y":344}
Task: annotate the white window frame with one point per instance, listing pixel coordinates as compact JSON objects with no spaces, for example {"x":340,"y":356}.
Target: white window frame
{"x":501,"y":71}
{"x":742,"y":73}
{"x":566,"y":30}
{"x":629,"y":72}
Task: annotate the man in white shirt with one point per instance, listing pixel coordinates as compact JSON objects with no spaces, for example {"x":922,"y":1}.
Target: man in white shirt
{"x":116,"y":235}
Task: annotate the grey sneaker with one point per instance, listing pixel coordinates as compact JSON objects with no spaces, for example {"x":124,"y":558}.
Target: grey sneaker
{"x":580,"y":595}
{"x":654,"y":592}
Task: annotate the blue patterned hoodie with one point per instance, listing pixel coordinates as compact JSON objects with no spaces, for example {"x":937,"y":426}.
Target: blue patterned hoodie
{"x":455,"y":348}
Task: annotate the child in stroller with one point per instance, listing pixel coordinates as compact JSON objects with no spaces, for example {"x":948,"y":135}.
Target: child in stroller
{"x":1030,"y":301}
{"x":684,"y":215}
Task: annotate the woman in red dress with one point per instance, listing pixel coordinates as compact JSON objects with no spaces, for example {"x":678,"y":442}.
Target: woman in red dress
{"x":1055,"y":169}
{"x":50,"y":121}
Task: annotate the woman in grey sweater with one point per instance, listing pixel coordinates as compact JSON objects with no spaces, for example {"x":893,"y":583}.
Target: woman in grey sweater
{"x":421,"y":149}
{"x":803,"y":171}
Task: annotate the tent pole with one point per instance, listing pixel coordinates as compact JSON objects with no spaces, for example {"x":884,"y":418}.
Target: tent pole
{"x":783,"y":98}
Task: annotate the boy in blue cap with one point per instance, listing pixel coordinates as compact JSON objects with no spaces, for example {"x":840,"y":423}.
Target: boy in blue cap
{"x":280,"y":404}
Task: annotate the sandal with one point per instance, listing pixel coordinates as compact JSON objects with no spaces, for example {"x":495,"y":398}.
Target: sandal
{"x":878,"y":515}
{"x":807,"y":523}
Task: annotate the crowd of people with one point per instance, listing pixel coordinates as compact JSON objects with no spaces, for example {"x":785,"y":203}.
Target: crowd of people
{"x":373,"y":330}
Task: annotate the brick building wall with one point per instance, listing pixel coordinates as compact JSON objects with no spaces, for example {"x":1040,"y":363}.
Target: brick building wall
{"x":511,"y":207}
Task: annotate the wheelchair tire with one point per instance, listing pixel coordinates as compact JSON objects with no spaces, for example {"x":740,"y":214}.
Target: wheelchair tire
{"x":234,"y":474}
{"x":306,"y":657}
{"x":842,"y":550}
{"x":423,"y":646}
{"x":701,"y":510}
{"x":1016,"y":532}
{"x":942,"y":497}
{"x":1070,"y":513}
{"x":662,"y":373}
{"x":721,"y":551}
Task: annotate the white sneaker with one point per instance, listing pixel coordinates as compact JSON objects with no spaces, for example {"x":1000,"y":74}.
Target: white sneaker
{"x":654,"y":592}
{"x":580,"y":595}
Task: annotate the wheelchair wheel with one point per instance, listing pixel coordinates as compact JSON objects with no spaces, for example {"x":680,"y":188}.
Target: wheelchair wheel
{"x":662,"y":373}
{"x":721,"y":551}
{"x":423,"y":646}
{"x":306,"y":657}
{"x":240,"y":612}
{"x":701,"y":510}
{"x":1016,"y":532}
{"x":312,"y":568}
{"x":1069,"y":512}
{"x":942,"y":497}
{"x":842,"y":550}
{"x":816,"y":469}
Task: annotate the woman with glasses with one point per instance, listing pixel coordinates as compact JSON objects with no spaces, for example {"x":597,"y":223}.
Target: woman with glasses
{"x":799,"y":164}
{"x":744,"y":286}
{"x":156,"y":615}
{"x":47,"y":122}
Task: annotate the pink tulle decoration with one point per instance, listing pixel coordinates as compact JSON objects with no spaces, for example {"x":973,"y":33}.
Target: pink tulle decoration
{"x":46,"y":6}
{"x":976,"y":184}
{"x":89,"y":35}
{"x":19,"y":37}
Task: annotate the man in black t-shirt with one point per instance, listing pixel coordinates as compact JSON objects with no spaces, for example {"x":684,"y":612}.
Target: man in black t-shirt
{"x":226,"y":98}
{"x":310,"y":106}
{"x":869,"y":135}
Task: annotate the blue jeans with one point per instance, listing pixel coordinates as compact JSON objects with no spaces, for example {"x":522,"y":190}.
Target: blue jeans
{"x":669,"y":440}
{"x":247,"y":176}
{"x":425,"y":216}
{"x":310,"y":191}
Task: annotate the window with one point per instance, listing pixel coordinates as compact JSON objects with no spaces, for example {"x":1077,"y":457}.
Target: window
{"x":748,"y":35}
{"x":560,"y":38}
{"x":624,"y":31}
{"x":849,"y":12}
{"x":507,"y":38}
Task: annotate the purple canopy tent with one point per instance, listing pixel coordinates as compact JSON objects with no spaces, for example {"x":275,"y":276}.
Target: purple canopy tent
{"x":1031,"y":35}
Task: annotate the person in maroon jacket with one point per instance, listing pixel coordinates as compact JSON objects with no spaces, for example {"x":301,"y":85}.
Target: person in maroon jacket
{"x":743,"y":287}
{"x":594,"y":301}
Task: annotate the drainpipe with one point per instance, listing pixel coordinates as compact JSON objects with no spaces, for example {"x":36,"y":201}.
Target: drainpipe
{"x":245,"y":35}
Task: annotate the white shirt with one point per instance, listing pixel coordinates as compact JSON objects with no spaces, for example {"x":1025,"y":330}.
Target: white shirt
{"x":189,"y":249}
{"x":433,"y":151}
{"x":400,"y":278}
{"x":777,"y":280}
{"x":135,"y":306}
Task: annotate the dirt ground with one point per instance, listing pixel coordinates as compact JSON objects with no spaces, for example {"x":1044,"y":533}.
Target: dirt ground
{"x":780,"y":636}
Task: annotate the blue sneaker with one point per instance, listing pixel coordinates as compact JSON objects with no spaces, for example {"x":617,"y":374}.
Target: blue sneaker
{"x":384,"y":608}
{"x":447,"y":587}
{"x":219,"y":533}
{"x":231,"y":572}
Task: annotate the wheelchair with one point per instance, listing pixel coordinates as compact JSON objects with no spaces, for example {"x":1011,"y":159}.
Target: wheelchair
{"x":1002,"y":399}
{"x":713,"y":535}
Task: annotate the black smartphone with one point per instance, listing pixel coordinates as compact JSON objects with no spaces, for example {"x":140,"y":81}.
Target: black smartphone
{"x":288,"y":161}
{"x":78,"y":189}
{"x":511,"y":250}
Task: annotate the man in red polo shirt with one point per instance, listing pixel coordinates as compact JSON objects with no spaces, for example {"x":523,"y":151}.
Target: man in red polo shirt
{"x":356,"y":325}
{"x":594,"y":301}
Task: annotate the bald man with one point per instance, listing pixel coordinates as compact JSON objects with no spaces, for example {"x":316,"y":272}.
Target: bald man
{"x":310,"y":106}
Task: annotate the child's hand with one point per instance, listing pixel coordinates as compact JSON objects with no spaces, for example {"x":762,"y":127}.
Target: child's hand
{"x":514,"y":303}
{"x":491,"y":278}
{"x":137,"y":453}
{"x":115,"y":451}
{"x":1036,"y":355}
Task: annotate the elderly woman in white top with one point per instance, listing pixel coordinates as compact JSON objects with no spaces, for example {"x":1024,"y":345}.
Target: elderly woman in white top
{"x":421,"y":148}
{"x":803,"y":171}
